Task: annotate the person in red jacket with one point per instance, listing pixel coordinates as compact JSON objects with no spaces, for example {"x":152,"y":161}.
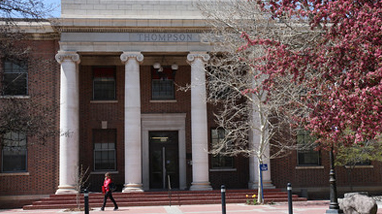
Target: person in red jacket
{"x":108,"y":193}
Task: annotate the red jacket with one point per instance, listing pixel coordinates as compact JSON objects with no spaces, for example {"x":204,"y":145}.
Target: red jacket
{"x":105,"y":186}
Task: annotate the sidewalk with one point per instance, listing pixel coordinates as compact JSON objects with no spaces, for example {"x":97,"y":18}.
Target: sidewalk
{"x":309,"y":207}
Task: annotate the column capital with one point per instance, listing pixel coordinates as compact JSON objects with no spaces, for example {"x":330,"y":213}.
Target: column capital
{"x":71,"y":55}
{"x":125,"y":56}
{"x":197,"y":55}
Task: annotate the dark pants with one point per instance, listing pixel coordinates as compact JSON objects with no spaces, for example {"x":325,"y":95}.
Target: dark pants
{"x":109,"y":195}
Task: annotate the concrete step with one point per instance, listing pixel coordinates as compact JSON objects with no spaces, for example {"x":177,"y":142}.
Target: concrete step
{"x":159,"y":198}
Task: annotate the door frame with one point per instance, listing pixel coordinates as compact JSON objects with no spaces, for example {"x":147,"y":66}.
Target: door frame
{"x":164,"y":148}
{"x":164,"y":122}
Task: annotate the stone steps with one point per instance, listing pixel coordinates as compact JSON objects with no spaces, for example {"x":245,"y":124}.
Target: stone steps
{"x":160,"y":198}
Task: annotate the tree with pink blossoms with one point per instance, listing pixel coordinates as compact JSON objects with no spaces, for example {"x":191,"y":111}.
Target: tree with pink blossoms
{"x":346,"y":103}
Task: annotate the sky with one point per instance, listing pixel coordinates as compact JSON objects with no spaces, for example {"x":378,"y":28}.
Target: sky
{"x":57,"y":5}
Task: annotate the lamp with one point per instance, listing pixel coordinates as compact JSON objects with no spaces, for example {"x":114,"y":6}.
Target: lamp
{"x":174,"y":67}
{"x":156,"y":65}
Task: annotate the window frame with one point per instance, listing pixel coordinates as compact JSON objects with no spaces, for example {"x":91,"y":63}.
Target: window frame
{"x":165,"y":80}
{"x":218,"y":157}
{"x":20,"y":68}
{"x":96,"y":81}
{"x":108,"y":134}
{"x":23,"y":147}
{"x":307,"y":151}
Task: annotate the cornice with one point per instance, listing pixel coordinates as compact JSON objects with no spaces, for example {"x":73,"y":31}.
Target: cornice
{"x":63,"y":29}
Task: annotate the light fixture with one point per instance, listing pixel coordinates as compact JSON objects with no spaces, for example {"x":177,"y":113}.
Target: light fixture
{"x":157,"y":65}
{"x":174,"y":67}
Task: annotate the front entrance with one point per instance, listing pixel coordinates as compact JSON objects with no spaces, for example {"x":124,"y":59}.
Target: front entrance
{"x":164,"y":157}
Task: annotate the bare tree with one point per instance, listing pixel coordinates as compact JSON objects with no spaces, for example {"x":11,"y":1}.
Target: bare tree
{"x":81,"y":181}
{"x":23,"y":109}
{"x":258,"y":121}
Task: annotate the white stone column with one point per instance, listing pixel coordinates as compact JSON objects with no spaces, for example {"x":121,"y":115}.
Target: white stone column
{"x":69,"y":121}
{"x":199,"y":128}
{"x":133,"y":145}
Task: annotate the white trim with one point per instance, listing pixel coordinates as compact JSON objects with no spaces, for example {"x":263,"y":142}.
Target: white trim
{"x":163,"y":101}
{"x":309,"y":167}
{"x":14,"y":173}
{"x":223,"y":170}
{"x":161,"y":122}
{"x":15,"y":97}
{"x":360,"y":167}
{"x":104,"y":101}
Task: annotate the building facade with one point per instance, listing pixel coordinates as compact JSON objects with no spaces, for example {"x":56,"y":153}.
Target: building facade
{"x":114,"y":73}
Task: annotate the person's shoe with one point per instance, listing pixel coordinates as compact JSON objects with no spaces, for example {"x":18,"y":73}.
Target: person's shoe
{"x":102,"y":208}
{"x":115,"y":208}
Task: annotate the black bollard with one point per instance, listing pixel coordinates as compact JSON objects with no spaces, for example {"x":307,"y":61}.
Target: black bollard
{"x":223,"y":199}
{"x":86,"y":201}
{"x":290,"y":206}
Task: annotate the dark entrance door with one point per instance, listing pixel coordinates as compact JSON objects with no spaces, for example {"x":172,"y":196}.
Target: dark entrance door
{"x":164,"y":165}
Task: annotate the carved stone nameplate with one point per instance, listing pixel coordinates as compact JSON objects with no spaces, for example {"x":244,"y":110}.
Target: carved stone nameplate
{"x":130,"y":37}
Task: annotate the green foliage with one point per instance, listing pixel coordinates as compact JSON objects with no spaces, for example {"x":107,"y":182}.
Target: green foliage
{"x":359,"y":153}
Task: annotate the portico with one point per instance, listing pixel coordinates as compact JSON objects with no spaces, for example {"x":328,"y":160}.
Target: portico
{"x":128,"y":48}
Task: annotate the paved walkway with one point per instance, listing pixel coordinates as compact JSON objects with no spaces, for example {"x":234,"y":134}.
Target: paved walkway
{"x":310,"y":207}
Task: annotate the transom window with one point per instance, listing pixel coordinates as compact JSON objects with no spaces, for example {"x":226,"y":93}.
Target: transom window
{"x":104,"y":149}
{"x":220,"y":161}
{"x":162,"y":84}
{"x":15,"y":78}
{"x":104,"y":83}
{"x":306,"y":153}
{"x":14,"y":152}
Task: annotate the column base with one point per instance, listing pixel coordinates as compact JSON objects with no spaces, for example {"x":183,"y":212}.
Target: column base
{"x":267,"y":184}
{"x":66,"y":190}
{"x":132,"y":188}
{"x":200,"y":186}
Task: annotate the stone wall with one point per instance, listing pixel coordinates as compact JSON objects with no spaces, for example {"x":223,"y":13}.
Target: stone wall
{"x":143,"y":9}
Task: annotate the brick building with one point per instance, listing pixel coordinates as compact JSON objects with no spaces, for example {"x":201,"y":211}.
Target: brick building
{"x":114,"y":69}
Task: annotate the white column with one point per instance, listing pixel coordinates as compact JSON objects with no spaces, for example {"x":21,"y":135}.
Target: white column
{"x":69,"y":121}
{"x":199,"y":128}
{"x":133,"y":151}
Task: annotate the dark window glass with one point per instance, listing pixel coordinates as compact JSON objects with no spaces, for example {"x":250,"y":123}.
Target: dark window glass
{"x":220,"y":161}
{"x":307,"y":155}
{"x":104,"y":83}
{"x":14,"y":152}
{"x":162,"y":84}
{"x":104,"y":149}
{"x":15,"y":78}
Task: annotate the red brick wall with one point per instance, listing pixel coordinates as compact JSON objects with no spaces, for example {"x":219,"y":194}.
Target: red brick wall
{"x":42,"y":157}
{"x":285,"y":170}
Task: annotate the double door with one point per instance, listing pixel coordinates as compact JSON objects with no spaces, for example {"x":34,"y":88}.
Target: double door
{"x":164,"y":159}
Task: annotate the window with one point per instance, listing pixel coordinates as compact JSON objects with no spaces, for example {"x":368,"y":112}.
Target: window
{"x":15,"y":78}
{"x":307,"y":156}
{"x":219,"y":161}
{"x":14,"y":152}
{"x":104,"y":149}
{"x":162,"y":84}
{"x":104,"y":83}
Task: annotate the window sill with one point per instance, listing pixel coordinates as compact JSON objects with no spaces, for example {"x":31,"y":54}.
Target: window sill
{"x":104,"y":101}
{"x":14,"y":173}
{"x":15,"y":97}
{"x":309,"y":167}
{"x":103,"y":172}
{"x":223,"y":170}
{"x":360,"y":167}
{"x":163,"y":101}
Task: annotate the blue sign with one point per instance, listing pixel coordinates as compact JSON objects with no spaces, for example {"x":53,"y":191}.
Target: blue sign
{"x":264,"y":167}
